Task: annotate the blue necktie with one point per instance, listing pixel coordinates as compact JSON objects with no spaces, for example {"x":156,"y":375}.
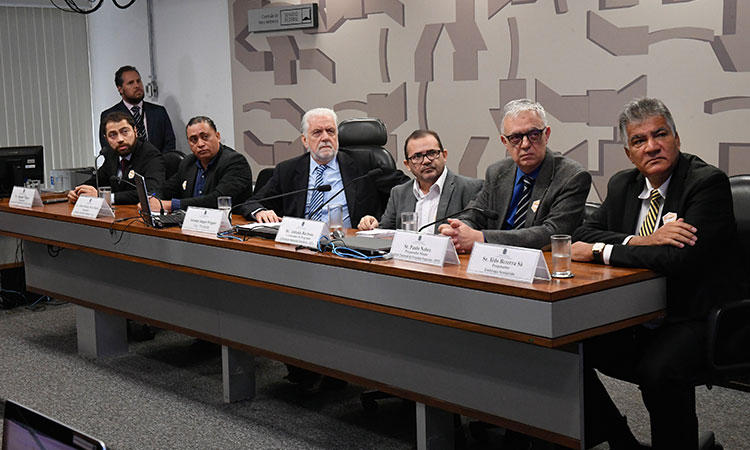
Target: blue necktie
{"x":317,"y":196}
{"x":523,"y":203}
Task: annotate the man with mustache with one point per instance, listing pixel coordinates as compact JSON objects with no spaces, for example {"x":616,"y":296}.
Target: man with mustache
{"x":123,"y":155}
{"x":321,"y":164}
{"x":672,"y":213}
{"x":151,"y":120}
{"x":436,"y":191}
{"x":536,"y":193}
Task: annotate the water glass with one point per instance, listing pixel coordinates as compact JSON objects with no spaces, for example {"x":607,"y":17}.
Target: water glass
{"x":409,"y":221}
{"x":105,"y":192}
{"x":225,"y":204}
{"x":336,"y":220}
{"x":561,"y":256}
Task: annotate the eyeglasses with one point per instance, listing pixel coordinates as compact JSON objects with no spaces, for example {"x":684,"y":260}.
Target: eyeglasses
{"x":534,"y":135}
{"x":417,"y":158}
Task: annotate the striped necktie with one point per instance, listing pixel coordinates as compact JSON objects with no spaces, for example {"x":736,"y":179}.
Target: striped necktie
{"x":523,"y":203}
{"x":138,"y":117}
{"x":649,"y":223}
{"x":317,"y":196}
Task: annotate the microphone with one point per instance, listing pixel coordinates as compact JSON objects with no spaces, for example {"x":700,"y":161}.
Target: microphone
{"x":96,"y":169}
{"x":374,"y":172}
{"x":487,"y":213}
{"x":321,"y":188}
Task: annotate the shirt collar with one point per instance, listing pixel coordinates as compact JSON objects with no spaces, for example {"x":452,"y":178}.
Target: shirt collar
{"x":130,"y":106}
{"x":519,"y":174}
{"x":436,"y":186}
{"x":210,"y":163}
{"x":646,"y":192}
{"x":332,"y":165}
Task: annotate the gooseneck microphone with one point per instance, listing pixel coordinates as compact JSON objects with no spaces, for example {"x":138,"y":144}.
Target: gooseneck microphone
{"x":372,"y":173}
{"x":96,"y":170}
{"x":487,"y":213}
{"x":321,"y":188}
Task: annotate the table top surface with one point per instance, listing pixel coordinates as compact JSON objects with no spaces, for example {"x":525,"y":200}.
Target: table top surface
{"x":588,"y":277}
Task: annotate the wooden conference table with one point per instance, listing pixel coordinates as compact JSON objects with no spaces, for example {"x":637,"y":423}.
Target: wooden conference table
{"x":503,"y":352}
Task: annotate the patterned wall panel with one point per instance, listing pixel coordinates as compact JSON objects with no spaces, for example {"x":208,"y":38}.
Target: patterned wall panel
{"x":451,"y":65}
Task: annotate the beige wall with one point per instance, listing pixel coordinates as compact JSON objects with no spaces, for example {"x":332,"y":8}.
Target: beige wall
{"x":451,"y":65}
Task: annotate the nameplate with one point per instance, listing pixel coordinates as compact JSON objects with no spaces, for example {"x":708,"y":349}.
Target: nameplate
{"x":91,"y":208}
{"x":302,"y":232}
{"x":432,"y":249}
{"x":508,"y":262}
{"x":205,"y":220}
{"x":22,"y":197}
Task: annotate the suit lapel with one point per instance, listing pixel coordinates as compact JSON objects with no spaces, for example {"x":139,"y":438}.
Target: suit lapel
{"x":299,"y":181}
{"x":675,"y":189}
{"x":632,"y":205}
{"x":348,"y":172}
{"x":445,"y":196}
{"x":542,"y":183}
{"x":189,"y":180}
{"x":505,"y":182}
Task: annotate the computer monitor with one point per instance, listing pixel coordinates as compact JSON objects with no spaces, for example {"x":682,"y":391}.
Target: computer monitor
{"x":18,"y":164}
{"x":24,"y":428}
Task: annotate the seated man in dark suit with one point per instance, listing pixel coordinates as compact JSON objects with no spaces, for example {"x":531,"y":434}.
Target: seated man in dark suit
{"x":212,"y":171}
{"x":436,"y":191}
{"x":151,"y":120}
{"x":124,"y":154}
{"x":323,"y":164}
{"x":671,"y":213}
{"x":536,"y":193}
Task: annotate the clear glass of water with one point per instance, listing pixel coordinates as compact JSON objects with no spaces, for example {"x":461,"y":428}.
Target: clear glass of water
{"x":409,"y":221}
{"x":225,"y":204}
{"x":336,"y":220}
{"x":561,"y":256}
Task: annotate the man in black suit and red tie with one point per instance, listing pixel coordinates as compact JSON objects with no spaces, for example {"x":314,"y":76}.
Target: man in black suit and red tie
{"x":673,"y":214}
{"x":152,"y":121}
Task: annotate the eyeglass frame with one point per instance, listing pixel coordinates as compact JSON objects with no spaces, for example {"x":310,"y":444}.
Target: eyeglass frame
{"x":526,"y":135}
{"x":422,"y":155}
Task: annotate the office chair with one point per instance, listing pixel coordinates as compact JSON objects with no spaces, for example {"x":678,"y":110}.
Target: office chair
{"x":172,"y":160}
{"x":263,"y":176}
{"x":363,"y":140}
{"x":589,"y":210}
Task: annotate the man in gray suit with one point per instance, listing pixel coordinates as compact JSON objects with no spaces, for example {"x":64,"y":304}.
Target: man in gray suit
{"x":536,"y":193}
{"x":436,"y":191}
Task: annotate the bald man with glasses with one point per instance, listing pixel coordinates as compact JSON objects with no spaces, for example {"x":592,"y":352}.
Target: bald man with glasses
{"x":436,"y":191}
{"x":536,"y":193}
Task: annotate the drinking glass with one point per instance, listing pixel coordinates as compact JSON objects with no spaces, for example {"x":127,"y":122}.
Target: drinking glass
{"x":561,"y":256}
{"x":225,"y":204}
{"x":409,"y":221}
{"x":336,"y":220}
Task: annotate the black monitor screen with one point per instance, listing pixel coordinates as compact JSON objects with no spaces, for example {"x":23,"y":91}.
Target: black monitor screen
{"x":18,"y":164}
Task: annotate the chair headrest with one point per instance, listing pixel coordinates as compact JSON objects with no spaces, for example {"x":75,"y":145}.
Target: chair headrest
{"x":362,"y":131}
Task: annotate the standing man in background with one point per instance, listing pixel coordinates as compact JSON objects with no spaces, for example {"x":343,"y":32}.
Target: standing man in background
{"x":151,"y":120}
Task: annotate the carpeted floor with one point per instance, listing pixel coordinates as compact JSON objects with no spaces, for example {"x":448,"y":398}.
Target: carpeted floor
{"x":166,"y":394}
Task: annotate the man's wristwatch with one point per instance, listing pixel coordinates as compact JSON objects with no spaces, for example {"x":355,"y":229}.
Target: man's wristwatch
{"x":598,"y":251}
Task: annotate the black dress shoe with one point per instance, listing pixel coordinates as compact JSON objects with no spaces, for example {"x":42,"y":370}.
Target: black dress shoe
{"x":140,"y":332}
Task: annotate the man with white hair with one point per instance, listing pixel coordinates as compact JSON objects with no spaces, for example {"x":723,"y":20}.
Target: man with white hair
{"x":536,"y":193}
{"x":322,"y":164}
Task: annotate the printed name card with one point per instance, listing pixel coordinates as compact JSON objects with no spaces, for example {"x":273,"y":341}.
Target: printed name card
{"x":302,"y":232}
{"x":205,"y":220}
{"x":91,"y":208}
{"x":507,"y":262}
{"x":22,"y":197}
{"x":433,"y":249}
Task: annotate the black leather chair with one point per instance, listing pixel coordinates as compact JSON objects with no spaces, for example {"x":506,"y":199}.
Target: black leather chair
{"x":263,"y":176}
{"x":590,"y":208}
{"x":172,"y":160}
{"x":363,"y":140}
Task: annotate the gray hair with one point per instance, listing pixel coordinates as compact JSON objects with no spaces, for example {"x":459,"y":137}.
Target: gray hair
{"x":514,"y":108}
{"x":316,"y":112}
{"x":638,"y":110}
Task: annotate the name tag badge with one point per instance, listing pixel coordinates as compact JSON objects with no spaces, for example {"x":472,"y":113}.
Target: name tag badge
{"x":508,"y":262}
{"x":302,"y":232}
{"x":22,"y":197}
{"x":205,"y":221}
{"x":91,"y":208}
{"x":433,"y":249}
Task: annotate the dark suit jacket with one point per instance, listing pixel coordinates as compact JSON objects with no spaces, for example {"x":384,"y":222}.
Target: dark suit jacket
{"x":229,"y":175}
{"x":457,"y":192}
{"x":697,"y":277}
{"x":160,"y":132}
{"x":561,"y":188}
{"x":145,"y":160}
{"x":292,"y":174}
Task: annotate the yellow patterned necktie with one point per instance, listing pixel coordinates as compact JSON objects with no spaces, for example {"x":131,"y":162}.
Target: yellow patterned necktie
{"x":653,"y":212}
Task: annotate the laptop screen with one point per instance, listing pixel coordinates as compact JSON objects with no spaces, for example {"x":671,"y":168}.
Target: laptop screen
{"x":26,"y":429}
{"x":140,"y":187}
